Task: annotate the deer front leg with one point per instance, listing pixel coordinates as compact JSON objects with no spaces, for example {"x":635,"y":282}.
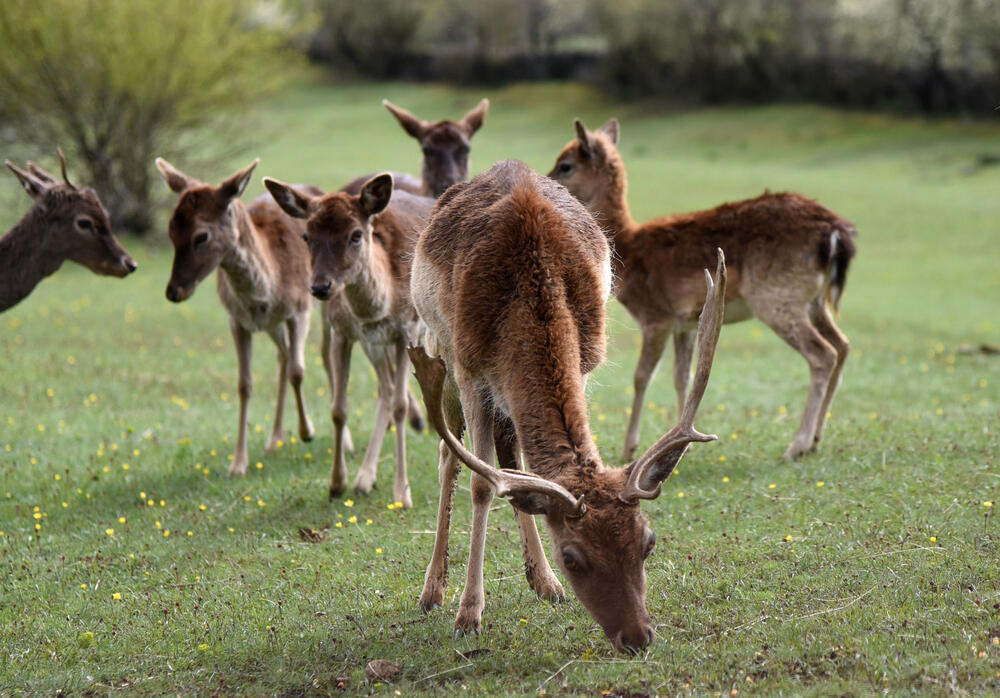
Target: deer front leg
{"x":436,"y":577}
{"x":331,"y":367}
{"x":340,"y":359}
{"x":244,"y":347}
{"x":470,"y":610}
{"x":683,"y":353}
{"x":654,"y":339}
{"x":298,"y":329}
{"x":537,"y":570}
{"x":400,"y":408}
{"x":280,"y":336}
{"x":365,"y":479}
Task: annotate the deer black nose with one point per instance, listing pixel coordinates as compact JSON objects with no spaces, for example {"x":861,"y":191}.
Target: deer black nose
{"x":322,"y":290}
{"x":173,"y":295}
{"x":130,"y":265}
{"x":634,"y":639}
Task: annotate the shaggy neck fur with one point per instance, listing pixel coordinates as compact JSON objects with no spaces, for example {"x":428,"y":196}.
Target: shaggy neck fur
{"x":368,"y":295}
{"x":25,"y":258}
{"x":247,"y":265}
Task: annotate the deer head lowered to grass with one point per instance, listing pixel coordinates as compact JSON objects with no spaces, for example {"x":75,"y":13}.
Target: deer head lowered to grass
{"x":788,"y":257}
{"x":65,"y":222}
{"x":263,"y":281}
{"x":361,"y":246}
{"x":511,"y":275}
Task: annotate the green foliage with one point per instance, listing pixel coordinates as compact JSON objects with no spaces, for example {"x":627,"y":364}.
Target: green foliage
{"x":117,"y":82}
{"x":888,"y":582}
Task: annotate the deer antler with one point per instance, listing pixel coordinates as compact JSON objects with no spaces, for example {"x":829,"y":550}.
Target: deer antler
{"x":430,"y":374}
{"x":646,"y":475}
{"x":41,"y":174}
{"x":62,"y":165}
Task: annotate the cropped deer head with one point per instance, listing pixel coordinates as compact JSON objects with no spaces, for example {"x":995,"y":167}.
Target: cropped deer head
{"x":587,"y":166}
{"x":73,"y":222}
{"x":202,"y":227}
{"x":445,"y":145}
{"x":338,"y":229}
{"x":600,"y":537}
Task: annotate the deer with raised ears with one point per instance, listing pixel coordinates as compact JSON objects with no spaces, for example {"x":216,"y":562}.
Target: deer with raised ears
{"x":511,"y":276}
{"x":263,"y":281}
{"x":361,"y":246}
{"x":788,"y":257}
{"x":65,"y":222}
{"x":445,"y":145}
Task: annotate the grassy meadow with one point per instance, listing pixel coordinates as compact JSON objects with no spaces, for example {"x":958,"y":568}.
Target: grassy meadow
{"x":130,"y":562}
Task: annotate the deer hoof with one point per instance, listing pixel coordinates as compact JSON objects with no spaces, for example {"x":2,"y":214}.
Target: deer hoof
{"x":364,"y":482}
{"x":337,"y":489}
{"x":404,"y":497}
{"x":306,"y":431}
{"x":468,"y":622}
{"x":273,"y":440}
{"x":432,"y":597}
{"x":796,"y":450}
{"x":551,"y":591}
{"x":238,"y":468}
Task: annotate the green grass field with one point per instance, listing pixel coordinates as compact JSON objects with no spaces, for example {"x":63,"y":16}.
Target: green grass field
{"x":128,"y":561}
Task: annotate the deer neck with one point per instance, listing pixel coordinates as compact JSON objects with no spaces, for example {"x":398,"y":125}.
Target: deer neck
{"x":610,"y":205}
{"x":27,"y":256}
{"x":369,"y":294}
{"x":247,"y":264}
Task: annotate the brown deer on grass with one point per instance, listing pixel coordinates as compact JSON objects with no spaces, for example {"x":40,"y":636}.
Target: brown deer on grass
{"x":65,"y":222}
{"x":263,"y":281}
{"x":511,"y":276}
{"x":788,"y":257}
{"x":361,"y":246}
{"x":445,"y":145}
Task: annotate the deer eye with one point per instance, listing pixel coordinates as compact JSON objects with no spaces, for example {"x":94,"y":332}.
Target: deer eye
{"x":564,"y":167}
{"x":305,"y":237}
{"x":573,"y":559}
{"x":200,"y":239}
{"x":356,"y":236}
{"x":85,"y":224}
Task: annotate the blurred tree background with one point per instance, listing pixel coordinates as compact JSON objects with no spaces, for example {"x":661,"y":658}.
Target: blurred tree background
{"x":117,"y":82}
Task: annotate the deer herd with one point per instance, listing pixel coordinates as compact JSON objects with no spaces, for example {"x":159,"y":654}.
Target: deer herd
{"x":494,"y":290}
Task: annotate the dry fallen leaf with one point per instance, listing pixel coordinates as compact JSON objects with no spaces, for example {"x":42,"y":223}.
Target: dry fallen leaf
{"x":382,"y":669}
{"x":311,"y":535}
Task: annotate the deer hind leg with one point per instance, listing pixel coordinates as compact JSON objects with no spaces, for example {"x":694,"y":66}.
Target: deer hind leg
{"x":683,"y":353}
{"x":331,"y":367}
{"x":400,"y":408}
{"x":536,"y":565}
{"x":244,"y":346}
{"x":820,"y":314}
{"x":470,"y":610}
{"x":340,"y":361}
{"x":436,"y":577}
{"x":280,"y":336}
{"x":792,"y":324}
{"x":365,"y":480}
{"x":654,"y":339}
{"x":298,"y":328}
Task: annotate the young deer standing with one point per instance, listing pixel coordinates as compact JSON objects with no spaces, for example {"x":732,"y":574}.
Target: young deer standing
{"x":263,"y":282}
{"x":65,"y":222}
{"x":361,"y":247}
{"x":445,"y":145}
{"x":788,"y":256}
{"x":511,"y":276}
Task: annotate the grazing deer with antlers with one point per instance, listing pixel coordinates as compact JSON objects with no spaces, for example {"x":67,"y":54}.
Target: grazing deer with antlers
{"x":511,"y":276}
{"x":263,"y":281}
{"x":445,"y":145}
{"x":65,"y":222}
{"x":788,"y":256}
{"x":361,"y":246}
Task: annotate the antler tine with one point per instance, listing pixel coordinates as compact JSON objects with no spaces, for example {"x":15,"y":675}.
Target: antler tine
{"x":430,"y":374}
{"x":62,"y":165}
{"x":647,"y":474}
{"x":34,"y":169}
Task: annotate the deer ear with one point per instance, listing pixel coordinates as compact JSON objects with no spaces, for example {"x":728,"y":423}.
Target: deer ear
{"x":473,"y":121}
{"x":530,"y":502}
{"x":410,"y":123}
{"x":293,"y":202}
{"x":611,"y":130}
{"x":375,"y":194}
{"x":175,"y":179}
{"x":583,"y":136}
{"x":32,"y":184}
{"x":40,"y":173}
{"x":234,"y":187}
